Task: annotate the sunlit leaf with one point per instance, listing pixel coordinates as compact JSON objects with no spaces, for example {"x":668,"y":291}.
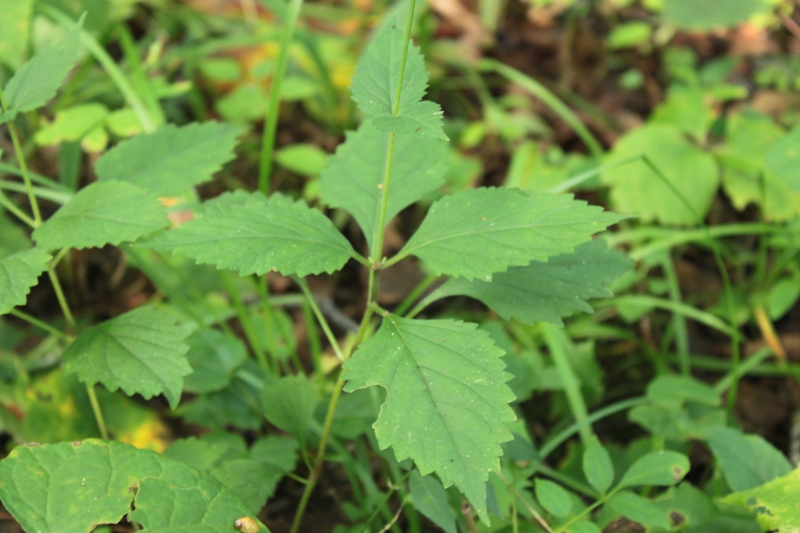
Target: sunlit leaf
{"x":774,"y":504}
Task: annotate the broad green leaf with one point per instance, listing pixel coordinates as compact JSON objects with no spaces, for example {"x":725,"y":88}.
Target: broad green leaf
{"x":376,"y":81}
{"x":289,"y":404}
{"x":276,"y":450}
{"x":637,"y":189}
{"x":170,"y":160}
{"x":687,"y":108}
{"x":447,"y":402}
{"x":747,"y":461}
{"x":100,"y":214}
{"x":430,"y":499}
{"x":15,"y":26}
{"x":355,"y":173}
{"x":214,"y":357}
{"x":38,"y":79}
{"x":142,"y":351}
{"x":783,"y":158}
{"x":13,"y":238}
{"x":103,"y":481}
{"x":18,"y":273}
{"x":711,"y":14}
{"x":672,"y":390}
{"x":482,"y":231}
{"x":638,"y":509}
{"x":597,"y":466}
{"x":775,"y":503}
{"x":546,"y":291}
{"x":689,"y":505}
{"x":256,"y":238}
{"x":198,"y":454}
{"x":663,"y":468}
{"x":552,"y":497}
{"x":251,"y":481}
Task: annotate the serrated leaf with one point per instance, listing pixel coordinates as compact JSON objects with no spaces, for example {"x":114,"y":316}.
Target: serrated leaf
{"x":289,"y":404}
{"x":775,"y":503}
{"x":747,"y":461}
{"x":638,"y":509}
{"x":375,"y":87}
{"x":430,"y":499}
{"x":38,"y":79}
{"x":553,"y":498}
{"x":18,"y":273}
{"x":170,"y":160}
{"x":355,"y":172}
{"x":546,"y":291}
{"x":447,"y":402}
{"x":476,"y":233}
{"x":103,"y":481}
{"x":663,"y":468}
{"x":597,"y":466}
{"x":100,"y":214}
{"x":142,"y":351}
{"x":213,"y":357}
{"x":256,"y":238}
{"x":251,"y":481}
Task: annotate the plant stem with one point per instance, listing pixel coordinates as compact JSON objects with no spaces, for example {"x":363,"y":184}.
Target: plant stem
{"x":312,"y":302}
{"x":41,"y":325}
{"x":23,"y":167}
{"x":271,"y":122}
{"x":98,"y":414}
{"x":678,"y":320}
{"x":244,"y":320}
{"x":16,"y":211}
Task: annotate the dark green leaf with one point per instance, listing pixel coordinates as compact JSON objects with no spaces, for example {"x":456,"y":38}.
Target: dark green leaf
{"x":663,"y":468}
{"x":251,"y":481}
{"x":198,"y":454}
{"x":289,"y":404}
{"x":214,"y":357}
{"x":747,"y":461}
{"x":430,"y":499}
{"x":638,"y":509}
{"x":18,"y":273}
{"x":552,"y":497}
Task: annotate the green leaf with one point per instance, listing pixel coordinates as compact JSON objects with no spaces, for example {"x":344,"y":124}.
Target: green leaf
{"x":555,"y":499}
{"x":430,"y":499}
{"x":256,"y":238}
{"x":72,"y":124}
{"x":711,"y":14}
{"x":251,"y":481}
{"x":663,"y":468}
{"x":597,"y":466}
{"x":637,"y":189}
{"x":100,"y":214}
{"x":277,"y":451}
{"x":479,"y":232}
{"x":38,"y":79}
{"x":103,"y":481}
{"x":775,"y":503}
{"x":198,"y":454}
{"x":747,"y":461}
{"x":236,"y":405}
{"x":141,"y":352}
{"x":304,"y":159}
{"x":584,"y":526}
{"x":688,"y":505}
{"x":355,"y":173}
{"x":673,"y":391}
{"x":18,"y":273}
{"x":447,"y":402}
{"x":639,"y":510}
{"x":375,"y":87}
{"x":214,"y":357}
{"x":783,"y":158}
{"x":170,"y":160}
{"x":289,"y":404}
{"x":546,"y":291}
{"x":687,"y":108}
{"x":15,"y":26}
{"x":782,"y":296}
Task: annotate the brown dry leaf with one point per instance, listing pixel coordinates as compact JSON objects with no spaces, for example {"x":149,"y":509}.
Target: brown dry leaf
{"x":751,"y":40}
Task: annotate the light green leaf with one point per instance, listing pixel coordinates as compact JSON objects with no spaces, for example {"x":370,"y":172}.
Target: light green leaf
{"x":375,"y":87}
{"x":663,"y":468}
{"x":686,"y":108}
{"x":72,"y":124}
{"x":783,"y":158}
{"x":256,"y":238}
{"x":638,"y":509}
{"x":214,"y":357}
{"x":635,"y":186}
{"x":597,"y":466}
{"x":15,"y":26}
{"x":782,"y":296}
{"x":305,"y":159}
{"x":430,"y":499}
{"x":289,"y":404}
{"x":479,"y":232}
{"x":747,"y":461}
{"x":100,"y":214}
{"x":673,"y":391}
{"x":555,"y":499}
{"x":141,"y":352}
{"x":584,"y":526}
{"x":170,"y":160}
{"x":693,"y":15}
{"x":775,"y":503}
{"x":18,"y":273}
{"x":38,"y":79}
{"x":355,"y":173}
{"x":447,"y":402}
{"x":104,"y":480}
{"x":546,"y":291}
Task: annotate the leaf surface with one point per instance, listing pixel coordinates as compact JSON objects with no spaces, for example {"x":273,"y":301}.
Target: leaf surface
{"x":664,"y":468}
{"x":15,"y":27}
{"x":430,"y":499}
{"x":100,"y":214}
{"x":447,"y":402}
{"x":214,"y":358}
{"x":172,"y":159}
{"x":478,"y":232}
{"x":553,"y":497}
{"x":355,"y":172}
{"x":289,"y":403}
{"x":258,"y":237}
{"x":18,"y":273}
{"x":747,"y":461}
{"x":774,"y":503}
{"x":639,"y":509}
{"x":597,"y":466}
{"x":142,"y":351}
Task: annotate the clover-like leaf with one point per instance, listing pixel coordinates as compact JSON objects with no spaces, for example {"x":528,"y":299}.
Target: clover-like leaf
{"x":478,"y":232}
{"x":545,"y":291}
{"x":256,"y":238}
{"x":100,"y":214}
{"x":375,"y":85}
{"x":354,"y":177}
{"x":664,"y":468}
{"x":447,"y":402}
{"x":597,"y":466}
{"x":170,"y":160}
{"x":18,"y":273}
{"x":38,"y":79}
{"x":71,"y":487}
{"x":142,"y":351}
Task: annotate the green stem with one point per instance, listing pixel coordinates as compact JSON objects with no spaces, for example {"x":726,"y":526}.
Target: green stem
{"x":41,"y":325}
{"x":16,"y":211}
{"x":678,"y":320}
{"x":98,"y":414}
{"x":138,"y":74}
{"x":40,"y":192}
{"x":320,"y":318}
{"x":416,"y":293}
{"x":23,"y":167}
{"x":62,"y":301}
{"x":244,"y":320}
{"x":271,"y":122}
